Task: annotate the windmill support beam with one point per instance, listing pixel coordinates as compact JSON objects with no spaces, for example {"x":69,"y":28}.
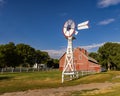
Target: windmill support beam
{"x":68,"y":30}
{"x":69,"y":66}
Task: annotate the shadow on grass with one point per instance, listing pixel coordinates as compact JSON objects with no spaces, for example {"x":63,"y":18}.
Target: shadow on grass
{"x":5,"y":78}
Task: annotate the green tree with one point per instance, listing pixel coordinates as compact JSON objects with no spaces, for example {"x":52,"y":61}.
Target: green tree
{"x":11,"y":57}
{"x":41,"y":57}
{"x":53,"y":63}
{"x":109,"y":55}
{"x":44,"y":57}
{"x":56,"y":63}
{"x":26,"y":54}
{"x":2,"y":57}
{"x":94,"y":55}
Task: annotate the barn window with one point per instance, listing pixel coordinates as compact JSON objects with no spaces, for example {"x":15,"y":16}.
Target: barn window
{"x":80,"y":57}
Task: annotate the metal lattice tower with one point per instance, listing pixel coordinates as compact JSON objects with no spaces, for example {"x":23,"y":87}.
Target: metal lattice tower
{"x":68,"y":30}
{"x":69,"y":67}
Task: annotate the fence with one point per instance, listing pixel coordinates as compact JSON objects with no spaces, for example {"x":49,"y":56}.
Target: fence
{"x":23,"y":69}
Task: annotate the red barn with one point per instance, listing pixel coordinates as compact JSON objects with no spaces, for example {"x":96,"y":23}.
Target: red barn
{"x":82,"y":61}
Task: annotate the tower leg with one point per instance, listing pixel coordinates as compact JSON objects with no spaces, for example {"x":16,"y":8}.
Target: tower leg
{"x":62,"y":77}
{"x":69,"y":67}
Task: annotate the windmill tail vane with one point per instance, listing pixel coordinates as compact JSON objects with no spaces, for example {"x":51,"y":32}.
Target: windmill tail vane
{"x":83,"y":25}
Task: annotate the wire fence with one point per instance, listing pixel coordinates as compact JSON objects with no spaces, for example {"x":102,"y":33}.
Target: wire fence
{"x":24,"y":69}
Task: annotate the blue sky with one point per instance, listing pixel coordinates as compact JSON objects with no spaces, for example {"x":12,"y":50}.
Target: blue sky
{"x":39,"y":23}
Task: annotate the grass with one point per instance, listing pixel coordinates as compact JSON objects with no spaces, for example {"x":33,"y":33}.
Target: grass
{"x":11,"y":82}
{"x":115,"y":91}
{"x":113,"y":77}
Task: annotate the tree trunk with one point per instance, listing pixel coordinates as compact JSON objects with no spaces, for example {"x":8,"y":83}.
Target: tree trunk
{"x":108,"y":66}
{"x":20,"y":68}
{"x":12,"y":69}
{"x":27,"y":69}
{"x":1,"y":70}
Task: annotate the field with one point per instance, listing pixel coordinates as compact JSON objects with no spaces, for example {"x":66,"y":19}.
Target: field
{"x":10,"y":82}
{"x":13,"y":82}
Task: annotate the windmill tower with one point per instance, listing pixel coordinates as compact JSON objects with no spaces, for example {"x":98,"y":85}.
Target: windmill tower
{"x":69,"y":30}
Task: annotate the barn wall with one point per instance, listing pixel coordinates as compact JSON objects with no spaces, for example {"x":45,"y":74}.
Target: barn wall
{"x":94,"y":67}
{"x":81,"y":61}
{"x":61,"y":62}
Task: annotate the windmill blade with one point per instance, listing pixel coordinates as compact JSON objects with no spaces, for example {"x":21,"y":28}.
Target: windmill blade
{"x":83,"y":25}
{"x":76,"y":32}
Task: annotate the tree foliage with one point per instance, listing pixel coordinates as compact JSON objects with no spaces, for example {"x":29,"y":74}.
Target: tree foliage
{"x":41,"y":57}
{"x":21,"y":55}
{"x":53,"y":63}
{"x":109,"y":55}
{"x":26,"y":54}
{"x":2,"y":56}
{"x":94,"y":55}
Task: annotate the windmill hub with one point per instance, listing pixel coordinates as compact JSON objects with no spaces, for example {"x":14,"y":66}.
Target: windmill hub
{"x":69,"y":27}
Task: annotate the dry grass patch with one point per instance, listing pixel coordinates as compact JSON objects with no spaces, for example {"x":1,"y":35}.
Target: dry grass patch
{"x":10,"y":82}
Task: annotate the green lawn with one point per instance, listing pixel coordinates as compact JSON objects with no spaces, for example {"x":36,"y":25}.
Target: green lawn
{"x":115,"y":91}
{"x":23,"y":81}
{"x":10,"y":82}
{"x":113,"y":77}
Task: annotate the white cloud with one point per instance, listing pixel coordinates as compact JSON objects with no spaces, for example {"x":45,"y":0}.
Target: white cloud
{"x":88,"y":47}
{"x":107,"y":3}
{"x":59,"y":53}
{"x":107,"y":21}
{"x":116,"y":42}
{"x":56,"y":53}
{"x":2,"y":2}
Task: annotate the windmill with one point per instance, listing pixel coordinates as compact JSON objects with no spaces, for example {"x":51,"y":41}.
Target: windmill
{"x":69,"y":30}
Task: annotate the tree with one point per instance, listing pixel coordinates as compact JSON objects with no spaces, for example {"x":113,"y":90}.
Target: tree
{"x":94,"y":55}
{"x":44,"y":57}
{"x":2,"y":57}
{"x":26,"y":54}
{"x":10,"y":54}
{"x":109,"y":55}
{"x":41,"y":57}
{"x":53,"y":63}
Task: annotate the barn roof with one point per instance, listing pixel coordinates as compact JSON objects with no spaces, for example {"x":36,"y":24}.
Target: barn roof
{"x":93,"y":60}
{"x":84,"y":53}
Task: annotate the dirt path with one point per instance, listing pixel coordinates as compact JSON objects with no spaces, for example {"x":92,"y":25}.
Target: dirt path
{"x":61,"y":91}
